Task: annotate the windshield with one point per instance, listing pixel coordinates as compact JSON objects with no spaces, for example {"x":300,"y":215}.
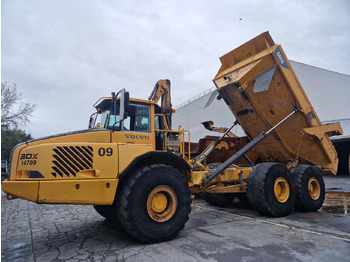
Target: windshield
{"x":137,"y":119}
{"x":111,"y":112}
{"x":110,"y":117}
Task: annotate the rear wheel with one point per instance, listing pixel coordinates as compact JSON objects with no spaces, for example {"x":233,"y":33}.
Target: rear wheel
{"x":310,"y":188}
{"x":270,"y":189}
{"x":154,"y":203}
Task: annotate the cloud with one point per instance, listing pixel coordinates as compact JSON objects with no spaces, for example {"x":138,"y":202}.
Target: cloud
{"x":64,"y":55}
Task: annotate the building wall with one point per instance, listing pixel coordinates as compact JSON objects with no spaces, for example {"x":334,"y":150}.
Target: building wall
{"x":328,"y":92}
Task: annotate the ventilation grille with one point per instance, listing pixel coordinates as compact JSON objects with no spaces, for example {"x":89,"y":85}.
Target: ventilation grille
{"x":69,"y":160}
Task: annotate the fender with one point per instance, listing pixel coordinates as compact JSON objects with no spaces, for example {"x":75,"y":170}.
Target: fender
{"x":157,"y":157}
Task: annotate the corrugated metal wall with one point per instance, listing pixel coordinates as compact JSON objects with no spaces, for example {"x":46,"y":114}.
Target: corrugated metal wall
{"x":328,"y":91}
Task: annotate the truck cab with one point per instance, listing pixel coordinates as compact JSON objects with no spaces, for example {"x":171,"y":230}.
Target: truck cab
{"x":128,"y":164}
{"x":123,"y":133}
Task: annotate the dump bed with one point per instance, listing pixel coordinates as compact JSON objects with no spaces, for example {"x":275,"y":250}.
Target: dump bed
{"x":258,"y":84}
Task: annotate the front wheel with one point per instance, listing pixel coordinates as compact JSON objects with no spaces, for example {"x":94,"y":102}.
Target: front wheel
{"x":154,"y":203}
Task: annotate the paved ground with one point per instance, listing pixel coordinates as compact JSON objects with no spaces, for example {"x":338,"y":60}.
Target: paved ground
{"x":31,"y":232}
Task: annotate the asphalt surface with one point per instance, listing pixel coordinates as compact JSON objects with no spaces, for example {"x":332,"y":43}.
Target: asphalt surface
{"x":32,"y":232}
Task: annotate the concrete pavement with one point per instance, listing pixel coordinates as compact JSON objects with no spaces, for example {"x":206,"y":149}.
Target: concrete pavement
{"x":32,"y":232}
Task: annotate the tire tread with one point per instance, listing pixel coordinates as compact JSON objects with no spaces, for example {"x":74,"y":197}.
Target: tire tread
{"x":125,"y":209}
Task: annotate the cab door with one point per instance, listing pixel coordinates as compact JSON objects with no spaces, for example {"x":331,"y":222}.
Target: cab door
{"x":135,"y":136}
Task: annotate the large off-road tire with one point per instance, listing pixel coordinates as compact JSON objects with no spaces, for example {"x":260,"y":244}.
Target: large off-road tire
{"x":218,"y":199}
{"x":310,"y":189}
{"x":154,"y":203}
{"x":270,"y":189}
{"x":107,"y":211}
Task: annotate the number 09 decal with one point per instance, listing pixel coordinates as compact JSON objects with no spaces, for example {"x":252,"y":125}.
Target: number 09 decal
{"x":105,"y":151}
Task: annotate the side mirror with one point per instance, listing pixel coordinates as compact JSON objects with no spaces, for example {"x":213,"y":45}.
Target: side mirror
{"x":124,"y":104}
{"x":92,"y":120}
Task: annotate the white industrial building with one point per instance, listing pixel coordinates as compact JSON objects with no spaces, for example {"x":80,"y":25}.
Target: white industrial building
{"x":328,"y":91}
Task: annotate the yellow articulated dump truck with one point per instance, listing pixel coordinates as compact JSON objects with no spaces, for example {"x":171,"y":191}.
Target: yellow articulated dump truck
{"x":134,"y":169}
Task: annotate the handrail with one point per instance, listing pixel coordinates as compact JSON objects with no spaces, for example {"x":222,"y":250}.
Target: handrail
{"x":181,"y":134}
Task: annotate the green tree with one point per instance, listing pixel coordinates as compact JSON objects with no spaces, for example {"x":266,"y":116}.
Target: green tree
{"x":10,"y":138}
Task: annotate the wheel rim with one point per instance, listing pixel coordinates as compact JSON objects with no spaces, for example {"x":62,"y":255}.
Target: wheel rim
{"x":281,"y":190}
{"x":161,"y":203}
{"x":314,"y":188}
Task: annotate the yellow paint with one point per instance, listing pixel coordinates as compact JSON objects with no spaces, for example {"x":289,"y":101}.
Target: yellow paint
{"x":281,"y":189}
{"x":228,"y":181}
{"x":45,"y":157}
{"x":87,"y":192}
{"x":132,"y":137}
{"x":128,"y":152}
{"x":93,"y":136}
{"x":14,"y":162}
{"x":222,"y":189}
{"x":23,"y":189}
{"x":197,"y":178}
{"x":259,"y":110}
{"x":314,"y":188}
{"x":51,"y":168}
{"x":161,"y":203}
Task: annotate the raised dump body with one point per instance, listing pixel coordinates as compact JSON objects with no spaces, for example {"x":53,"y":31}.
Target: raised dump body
{"x":260,"y":87}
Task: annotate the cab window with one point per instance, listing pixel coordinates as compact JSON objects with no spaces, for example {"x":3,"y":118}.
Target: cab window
{"x":138,"y":118}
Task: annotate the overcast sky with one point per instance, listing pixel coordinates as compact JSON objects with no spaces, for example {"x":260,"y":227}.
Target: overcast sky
{"x":64,"y":55}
